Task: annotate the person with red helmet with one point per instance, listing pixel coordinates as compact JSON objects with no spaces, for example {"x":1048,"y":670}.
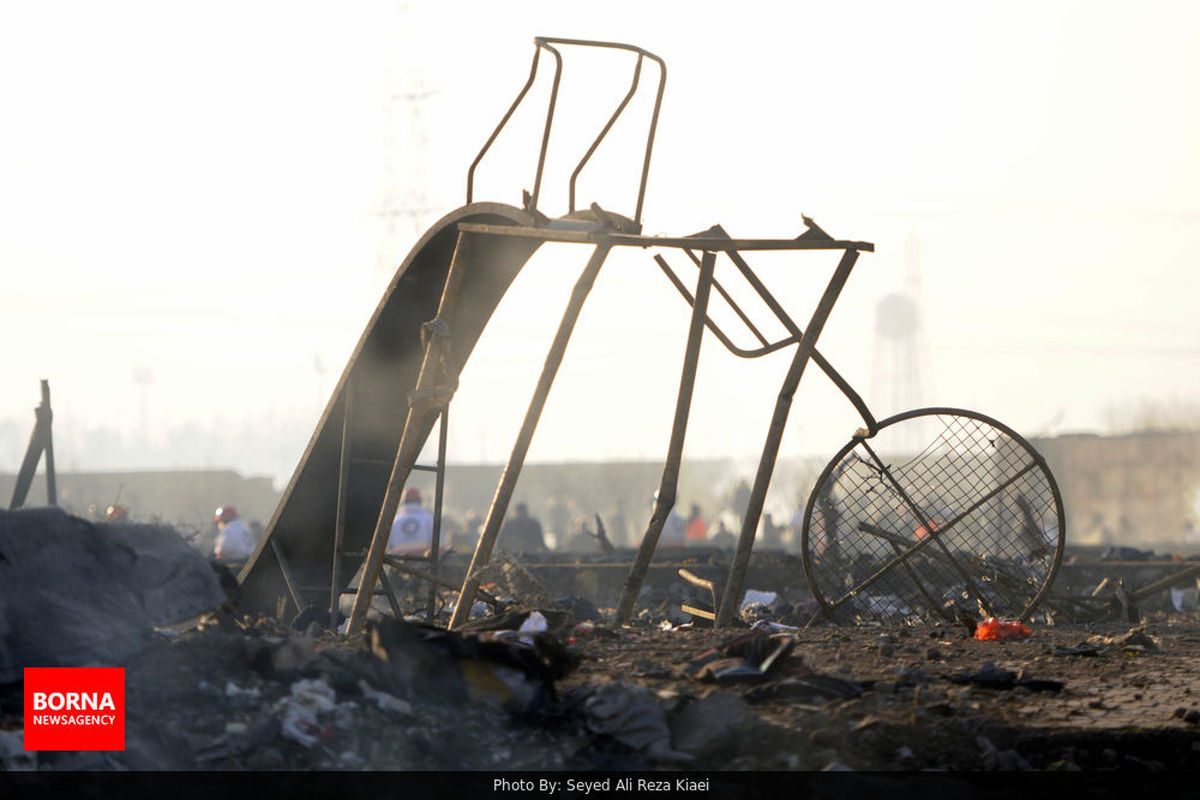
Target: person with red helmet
{"x":234,"y":540}
{"x":412,"y":530}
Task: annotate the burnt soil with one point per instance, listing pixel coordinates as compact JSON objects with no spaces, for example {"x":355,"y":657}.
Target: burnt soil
{"x":925,"y":698}
{"x":1130,"y":707}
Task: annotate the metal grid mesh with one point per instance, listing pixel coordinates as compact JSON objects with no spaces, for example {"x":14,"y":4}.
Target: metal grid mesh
{"x":942,"y":513}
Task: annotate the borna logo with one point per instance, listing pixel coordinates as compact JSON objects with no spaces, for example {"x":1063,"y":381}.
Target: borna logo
{"x":75,"y":708}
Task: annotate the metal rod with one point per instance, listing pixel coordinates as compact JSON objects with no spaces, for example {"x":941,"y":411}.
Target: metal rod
{"x":929,"y":527}
{"x":1164,"y":583}
{"x":721,"y":244}
{"x":841,"y":383}
{"x":48,"y":446}
{"x":912,"y":575}
{"x":703,"y":583}
{"x":737,"y":309}
{"x":389,"y":593}
{"x":438,"y":493}
{"x":537,"y":52}
{"x":33,"y":453}
{"x":766,"y":464}
{"x":397,"y":564}
{"x":541,"y":166}
{"x":410,"y":443}
{"x":928,"y":540}
{"x":637,"y":72}
{"x":712,"y":326}
{"x":512,"y":471}
{"x":665,"y":499}
{"x":286,"y":571}
{"x":339,"y":524}
{"x":662,"y":84}
{"x":899,"y":542}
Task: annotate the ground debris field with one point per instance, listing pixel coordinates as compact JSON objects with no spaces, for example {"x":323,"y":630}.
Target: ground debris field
{"x":542,"y":680}
{"x":234,"y":694}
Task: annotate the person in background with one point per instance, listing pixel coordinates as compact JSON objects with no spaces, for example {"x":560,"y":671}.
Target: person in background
{"x":523,"y":533}
{"x":771,"y":535}
{"x":740,"y":500}
{"x":722,"y":539}
{"x":234,"y":540}
{"x":116,"y":513}
{"x":412,"y":530}
{"x":697,"y":529}
{"x":674,"y":531}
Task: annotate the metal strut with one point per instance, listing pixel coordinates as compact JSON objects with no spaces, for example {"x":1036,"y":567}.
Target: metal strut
{"x":435,"y":385}
{"x":40,"y":441}
{"x":512,"y":470}
{"x":766,"y":464}
{"x":665,"y":499}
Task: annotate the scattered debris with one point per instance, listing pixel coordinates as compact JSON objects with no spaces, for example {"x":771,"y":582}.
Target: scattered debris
{"x":1135,"y":642}
{"x":632,"y":716}
{"x":512,"y":580}
{"x":990,"y":676}
{"x":710,"y":725}
{"x":385,"y":701}
{"x":300,"y":711}
{"x":756,"y":604}
{"x":748,"y":657}
{"x":1188,"y":715}
{"x":805,"y":688}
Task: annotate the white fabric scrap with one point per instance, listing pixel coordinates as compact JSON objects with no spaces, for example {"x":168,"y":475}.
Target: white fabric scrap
{"x":385,"y":701}
{"x":299,"y":710}
{"x":534,"y":623}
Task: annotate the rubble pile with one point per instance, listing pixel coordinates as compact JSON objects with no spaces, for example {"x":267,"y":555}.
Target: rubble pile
{"x":73,"y":592}
{"x":532,"y":683}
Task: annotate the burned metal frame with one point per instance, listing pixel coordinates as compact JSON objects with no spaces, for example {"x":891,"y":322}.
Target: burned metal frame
{"x":432,"y":388}
{"x":491,"y":242}
{"x":794,"y":331}
{"x":933,"y":535}
{"x":906,"y":549}
{"x":603,"y":239}
{"x":548,"y":44}
{"x":436,"y":379}
{"x":766,"y":463}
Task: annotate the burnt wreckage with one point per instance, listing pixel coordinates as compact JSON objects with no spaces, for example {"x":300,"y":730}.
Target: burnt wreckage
{"x":928,"y":514}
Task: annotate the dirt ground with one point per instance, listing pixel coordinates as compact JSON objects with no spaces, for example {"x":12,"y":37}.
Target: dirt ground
{"x":1128,"y":707}
{"x":219,"y":696}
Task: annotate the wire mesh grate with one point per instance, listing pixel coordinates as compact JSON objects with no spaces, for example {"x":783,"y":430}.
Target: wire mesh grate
{"x":942,"y":513}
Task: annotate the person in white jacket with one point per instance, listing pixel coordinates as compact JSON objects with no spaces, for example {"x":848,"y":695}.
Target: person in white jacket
{"x":234,"y":540}
{"x":412,"y":530}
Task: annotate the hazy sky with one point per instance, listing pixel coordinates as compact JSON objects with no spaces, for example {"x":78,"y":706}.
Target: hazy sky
{"x":190,"y":193}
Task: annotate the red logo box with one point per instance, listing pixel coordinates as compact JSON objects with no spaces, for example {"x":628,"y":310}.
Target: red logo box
{"x":75,"y":708}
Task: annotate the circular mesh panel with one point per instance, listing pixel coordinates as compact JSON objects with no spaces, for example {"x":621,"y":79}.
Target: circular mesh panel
{"x":942,"y":513}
